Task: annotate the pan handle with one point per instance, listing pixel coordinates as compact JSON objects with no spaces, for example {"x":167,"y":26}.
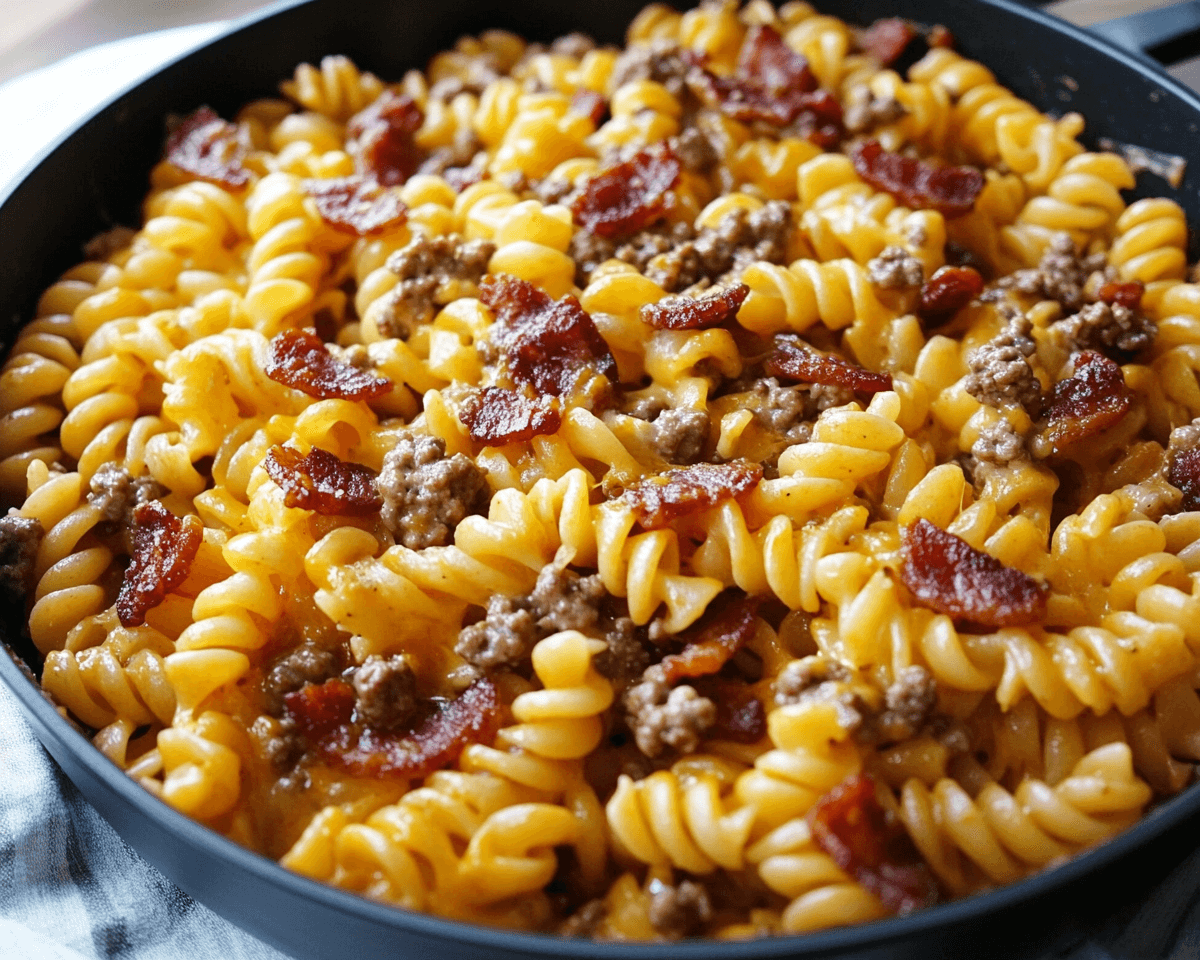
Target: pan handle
{"x":1142,"y":33}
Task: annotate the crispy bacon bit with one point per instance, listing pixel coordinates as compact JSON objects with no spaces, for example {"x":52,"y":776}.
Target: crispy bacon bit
{"x":590,"y":104}
{"x":656,"y":501}
{"x":495,"y":416}
{"x":1128,"y":295}
{"x":164,"y":546}
{"x":684,"y":313}
{"x":547,"y":344}
{"x":939,"y":36}
{"x":947,"y":574}
{"x":850,"y":825}
{"x":797,"y":361}
{"x":741,"y":716}
{"x":1184,"y":474}
{"x":946,"y":292}
{"x":210,"y":149}
{"x":299,"y":359}
{"x":887,"y":38}
{"x":357,"y":206}
{"x":322,"y":482}
{"x":1090,"y":401}
{"x":627,"y":197}
{"x":712,"y":644}
{"x":385,"y":147}
{"x":325,"y":717}
{"x":949,"y":190}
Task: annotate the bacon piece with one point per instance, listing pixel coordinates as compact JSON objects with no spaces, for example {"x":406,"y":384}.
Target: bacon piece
{"x":1128,"y":295}
{"x":1090,"y":401}
{"x":385,"y":147}
{"x":164,"y":547}
{"x":946,"y":292}
{"x":794,"y":360}
{"x":940,"y":36}
{"x":1184,"y":473}
{"x":949,"y":190}
{"x":590,"y":104}
{"x":357,"y":206}
{"x":887,"y":38}
{"x":656,"y":501}
{"x":714,"y":643}
{"x":299,"y":359}
{"x":210,"y":149}
{"x":324,"y":716}
{"x":547,"y":344}
{"x":850,"y":825}
{"x":495,"y":416}
{"x":685,"y":313}
{"x":947,"y":574}
{"x":323,"y":482}
{"x":620,"y":200}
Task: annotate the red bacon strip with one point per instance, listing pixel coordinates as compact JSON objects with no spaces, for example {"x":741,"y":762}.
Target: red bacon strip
{"x":886,"y":39}
{"x":656,"y":501}
{"x":1087,"y":403}
{"x":164,"y":547}
{"x":357,"y":206}
{"x":550,"y":345}
{"x":620,"y":200}
{"x":322,"y":482}
{"x":324,"y":716}
{"x":495,"y":416}
{"x":1128,"y":295}
{"x":684,"y":313}
{"x":1184,"y":473}
{"x":714,"y":643}
{"x":794,"y":360}
{"x":209,"y":149}
{"x":947,"y":574}
{"x":299,"y":360}
{"x":384,"y":143}
{"x":949,"y":190}
{"x":850,"y":825}
{"x":946,"y":292}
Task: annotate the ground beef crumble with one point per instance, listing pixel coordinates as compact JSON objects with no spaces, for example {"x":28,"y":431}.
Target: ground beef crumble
{"x":678,"y":911}
{"x":664,"y":718}
{"x":1110,"y":328}
{"x":1000,"y":373}
{"x":20,"y":539}
{"x":504,"y":637}
{"x":385,"y":693}
{"x":695,"y":151}
{"x":864,"y":111}
{"x":115,"y":493}
{"x":427,"y":494}
{"x":1061,"y":275}
{"x":432,"y":271}
{"x":680,"y":434}
{"x":308,"y":663}
{"x":661,"y":61}
{"x":999,"y":443}
{"x":895,"y":269}
{"x":584,"y":922}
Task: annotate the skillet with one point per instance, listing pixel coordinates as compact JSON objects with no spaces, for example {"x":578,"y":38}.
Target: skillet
{"x":96,"y":177}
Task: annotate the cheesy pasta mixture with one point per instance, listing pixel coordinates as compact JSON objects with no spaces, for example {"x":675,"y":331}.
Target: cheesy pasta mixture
{"x":739,"y":484}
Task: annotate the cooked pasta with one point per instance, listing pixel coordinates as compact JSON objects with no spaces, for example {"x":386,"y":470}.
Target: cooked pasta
{"x":614,"y":491}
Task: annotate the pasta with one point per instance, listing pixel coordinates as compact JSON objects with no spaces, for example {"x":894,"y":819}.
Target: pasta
{"x":725,"y":486}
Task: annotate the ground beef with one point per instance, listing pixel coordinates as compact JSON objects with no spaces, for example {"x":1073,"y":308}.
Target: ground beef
{"x":1061,"y":274}
{"x":588,"y":251}
{"x":504,"y":637}
{"x":562,"y":600}
{"x":1000,"y":373}
{"x":116,"y":493}
{"x":721,"y":253}
{"x":1183,"y":438}
{"x":20,"y":539}
{"x":910,"y":700}
{"x":385,"y":693}
{"x":661,"y":61}
{"x":585,"y":921}
{"x":895,"y":269}
{"x":575,"y":45}
{"x":1109,"y":328}
{"x":427,"y":494}
{"x":817,"y":679}
{"x":285,"y":748}
{"x":626,"y":657}
{"x":306,"y":664}
{"x":826,"y":396}
{"x":1154,"y":498}
{"x":663,"y":718}
{"x":680,"y":434}
{"x":648,"y":244}
{"x":864,"y":111}
{"x":432,"y":271}
{"x":480,"y":71}
{"x":781,"y":410}
{"x":679,"y":911}
{"x":464,"y":151}
{"x":695,"y":151}
{"x":999,"y":443}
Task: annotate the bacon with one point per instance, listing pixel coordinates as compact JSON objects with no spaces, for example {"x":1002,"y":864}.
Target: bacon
{"x":949,"y":190}
{"x":550,"y":345}
{"x":1087,"y":403}
{"x":1128,"y":295}
{"x":590,"y":104}
{"x":357,"y":206}
{"x":940,"y":36}
{"x":299,"y":359}
{"x":851,"y":826}
{"x":164,"y":547}
{"x":495,"y":416}
{"x":887,"y":38}
{"x":656,"y":501}
{"x":713,"y":644}
{"x":209,"y":149}
{"x":794,"y":360}
{"x":385,"y":147}
{"x":947,"y":574}
{"x":324,"y":716}
{"x":685,"y":313}
{"x":323,"y":482}
{"x":627,"y":197}
{"x":946,"y":292}
{"x":1184,"y":473}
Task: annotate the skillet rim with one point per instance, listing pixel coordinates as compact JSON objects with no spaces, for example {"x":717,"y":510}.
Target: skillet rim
{"x":62,"y":740}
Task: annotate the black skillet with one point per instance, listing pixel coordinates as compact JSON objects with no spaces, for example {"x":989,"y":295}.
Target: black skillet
{"x":97,"y":176}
